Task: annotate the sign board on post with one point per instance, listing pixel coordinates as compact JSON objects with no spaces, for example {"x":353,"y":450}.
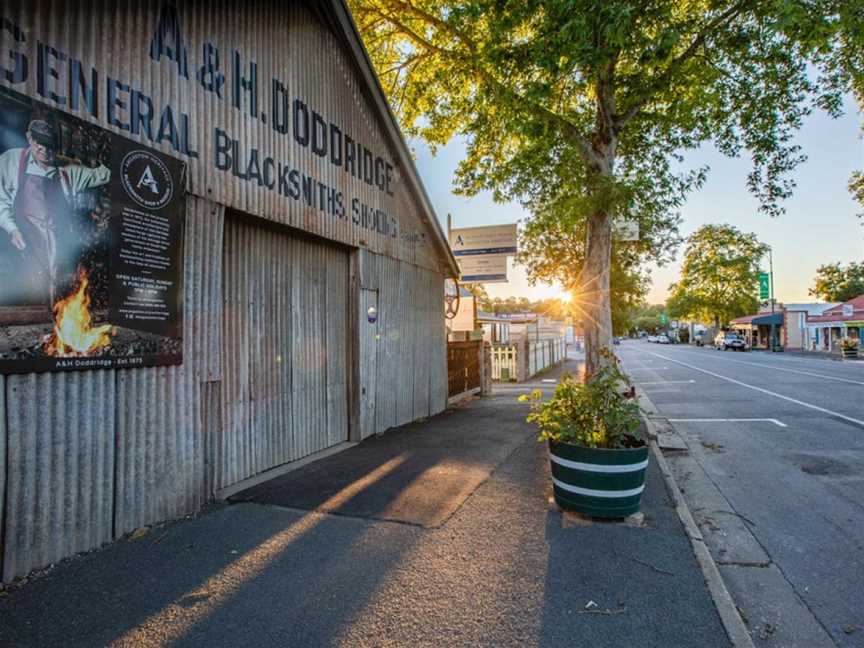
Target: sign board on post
{"x":484,"y":268}
{"x":625,"y":230}
{"x":848,"y":310}
{"x":764,"y":285}
{"x":492,"y":239}
{"x":664,"y":319}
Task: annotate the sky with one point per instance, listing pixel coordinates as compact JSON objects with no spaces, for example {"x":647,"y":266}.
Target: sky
{"x":820,"y":224}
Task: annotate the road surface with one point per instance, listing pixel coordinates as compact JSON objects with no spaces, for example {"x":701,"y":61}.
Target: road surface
{"x":775,"y":477}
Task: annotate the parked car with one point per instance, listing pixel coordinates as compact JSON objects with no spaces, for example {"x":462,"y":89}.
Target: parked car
{"x":699,"y":339}
{"x":726,"y":340}
{"x":652,"y":338}
{"x":663,"y":339}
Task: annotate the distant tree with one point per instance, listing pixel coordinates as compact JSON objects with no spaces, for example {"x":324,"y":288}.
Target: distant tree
{"x":838,"y":283}
{"x":646,"y":318}
{"x":595,"y":100}
{"x":484,"y":302}
{"x":719,"y":276}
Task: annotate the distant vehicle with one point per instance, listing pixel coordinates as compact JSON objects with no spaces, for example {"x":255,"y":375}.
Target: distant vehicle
{"x":616,"y":340}
{"x":699,"y":339}
{"x":663,"y":339}
{"x":652,"y":338}
{"x":726,"y":340}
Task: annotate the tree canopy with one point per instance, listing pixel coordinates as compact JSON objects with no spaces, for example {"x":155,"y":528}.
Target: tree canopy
{"x":594,"y":100}
{"x":838,"y":283}
{"x":719,"y":275}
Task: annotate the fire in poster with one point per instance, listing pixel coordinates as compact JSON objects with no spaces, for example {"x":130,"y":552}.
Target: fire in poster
{"x":91,"y":231}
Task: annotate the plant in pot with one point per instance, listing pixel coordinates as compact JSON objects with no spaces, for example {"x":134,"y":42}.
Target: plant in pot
{"x":598,"y":456}
{"x":849,"y":347}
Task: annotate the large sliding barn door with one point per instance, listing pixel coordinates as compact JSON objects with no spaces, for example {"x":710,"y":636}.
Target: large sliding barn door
{"x":284,"y":346}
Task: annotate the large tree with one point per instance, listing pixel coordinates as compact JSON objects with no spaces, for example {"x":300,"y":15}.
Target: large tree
{"x":594,"y":99}
{"x":552,"y":247}
{"x":838,"y":283}
{"x":719,"y":275}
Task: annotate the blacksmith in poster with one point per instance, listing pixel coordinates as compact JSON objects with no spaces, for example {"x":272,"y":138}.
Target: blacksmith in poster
{"x":91,"y":232}
{"x":36,"y":196}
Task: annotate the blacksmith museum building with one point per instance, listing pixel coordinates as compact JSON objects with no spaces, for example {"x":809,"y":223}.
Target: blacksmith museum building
{"x":216,"y":258}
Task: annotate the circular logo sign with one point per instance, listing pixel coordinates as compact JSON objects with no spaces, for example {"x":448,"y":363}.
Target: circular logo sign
{"x":146,"y":179}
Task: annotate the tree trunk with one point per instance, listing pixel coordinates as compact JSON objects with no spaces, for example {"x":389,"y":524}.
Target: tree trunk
{"x":596,"y":297}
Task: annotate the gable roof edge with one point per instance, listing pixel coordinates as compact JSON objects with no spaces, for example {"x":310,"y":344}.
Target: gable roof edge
{"x":345,"y":21}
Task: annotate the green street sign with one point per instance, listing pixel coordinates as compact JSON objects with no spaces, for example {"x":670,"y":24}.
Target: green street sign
{"x":764,"y":285}
{"x":663,"y":319}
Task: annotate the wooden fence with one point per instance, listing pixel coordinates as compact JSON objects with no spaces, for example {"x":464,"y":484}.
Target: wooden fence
{"x":463,"y":367}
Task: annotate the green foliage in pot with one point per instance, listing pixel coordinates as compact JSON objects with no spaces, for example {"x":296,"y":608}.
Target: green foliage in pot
{"x":848,"y":344}
{"x":594,"y":414}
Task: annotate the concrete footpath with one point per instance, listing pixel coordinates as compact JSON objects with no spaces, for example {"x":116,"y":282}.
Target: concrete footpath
{"x":496,"y":564}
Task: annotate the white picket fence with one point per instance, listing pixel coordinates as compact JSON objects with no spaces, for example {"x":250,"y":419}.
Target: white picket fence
{"x":541,"y":354}
{"x":504,"y":357}
{"x":544,"y":353}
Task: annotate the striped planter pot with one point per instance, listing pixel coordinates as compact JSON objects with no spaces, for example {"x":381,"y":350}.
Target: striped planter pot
{"x":598,"y":482}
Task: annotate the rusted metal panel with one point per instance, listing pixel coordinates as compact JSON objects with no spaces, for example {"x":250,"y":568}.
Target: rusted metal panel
{"x":60,"y":479}
{"x":285,"y":352}
{"x":310,"y":48}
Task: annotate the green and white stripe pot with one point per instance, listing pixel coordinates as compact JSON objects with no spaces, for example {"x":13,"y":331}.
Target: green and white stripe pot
{"x":596,"y":481}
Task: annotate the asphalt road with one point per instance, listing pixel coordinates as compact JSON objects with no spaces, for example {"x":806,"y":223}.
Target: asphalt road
{"x":781,"y":438}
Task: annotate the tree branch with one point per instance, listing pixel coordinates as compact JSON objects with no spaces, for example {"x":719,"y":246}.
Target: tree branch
{"x":663,"y":79}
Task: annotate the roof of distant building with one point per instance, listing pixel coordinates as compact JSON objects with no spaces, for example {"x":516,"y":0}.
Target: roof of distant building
{"x":815,"y":308}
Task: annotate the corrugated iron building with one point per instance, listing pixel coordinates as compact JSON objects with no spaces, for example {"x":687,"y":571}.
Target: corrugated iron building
{"x":279,"y":358}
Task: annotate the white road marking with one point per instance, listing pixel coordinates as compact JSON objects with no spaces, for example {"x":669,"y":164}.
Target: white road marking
{"x":549,"y":380}
{"x":797,"y":371}
{"x":667,"y":382}
{"x":728,"y":420}
{"x":765,"y":391}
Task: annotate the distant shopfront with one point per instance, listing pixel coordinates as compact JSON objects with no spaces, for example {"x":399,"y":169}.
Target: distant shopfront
{"x":757,"y":329}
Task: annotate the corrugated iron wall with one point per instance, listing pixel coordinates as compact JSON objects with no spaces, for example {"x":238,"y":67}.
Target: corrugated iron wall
{"x":411,"y":380}
{"x":285,"y":349}
{"x":92,"y":455}
{"x":60,"y":486}
{"x":288,"y":41}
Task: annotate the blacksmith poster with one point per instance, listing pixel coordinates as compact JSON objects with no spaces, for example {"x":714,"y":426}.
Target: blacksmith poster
{"x":91,"y":231}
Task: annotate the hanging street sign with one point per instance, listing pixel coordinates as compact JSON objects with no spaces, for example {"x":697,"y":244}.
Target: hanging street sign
{"x":625,"y":230}
{"x":483,"y":268}
{"x":764,"y":285}
{"x":492,"y":239}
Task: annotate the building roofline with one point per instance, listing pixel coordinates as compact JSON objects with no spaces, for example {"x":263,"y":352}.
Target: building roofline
{"x":345,"y":21}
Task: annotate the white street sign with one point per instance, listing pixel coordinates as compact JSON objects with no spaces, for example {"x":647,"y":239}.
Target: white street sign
{"x":483,"y":268}
{"x":493,"y":239}
{"x":625,"y":230}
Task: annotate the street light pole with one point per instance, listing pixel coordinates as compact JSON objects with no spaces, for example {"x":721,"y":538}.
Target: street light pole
{"x":771,"y":275}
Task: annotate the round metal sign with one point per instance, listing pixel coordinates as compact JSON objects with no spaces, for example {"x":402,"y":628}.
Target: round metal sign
{"x":451,"y":298}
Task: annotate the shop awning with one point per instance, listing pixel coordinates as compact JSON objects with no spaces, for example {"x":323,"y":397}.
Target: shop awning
{"x":760,"y":319}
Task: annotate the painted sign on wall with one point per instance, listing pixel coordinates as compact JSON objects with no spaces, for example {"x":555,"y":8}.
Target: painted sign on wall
{"x":265,"y":110}
{"x":91,"y":230}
